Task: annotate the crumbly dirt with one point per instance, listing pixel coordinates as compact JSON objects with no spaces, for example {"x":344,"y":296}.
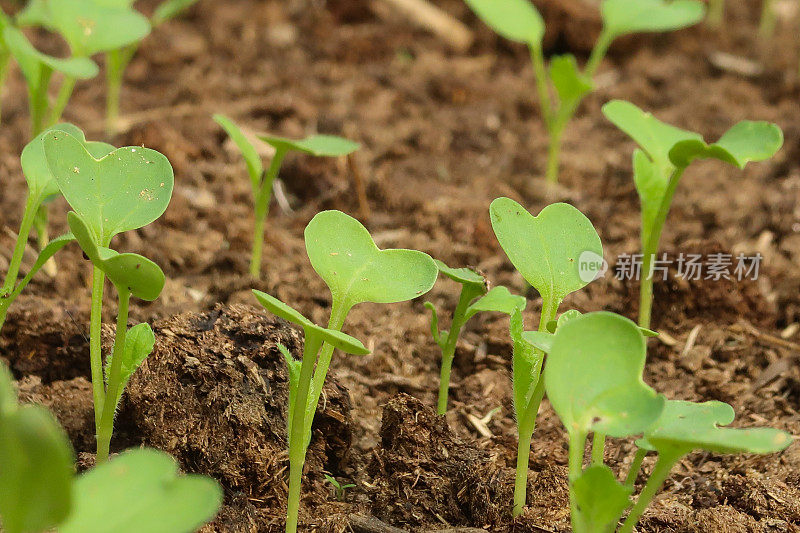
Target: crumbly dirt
{"x":443,"y":133}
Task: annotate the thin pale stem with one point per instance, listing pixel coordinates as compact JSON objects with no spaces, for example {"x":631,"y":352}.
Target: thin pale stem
{"x":5,"y":61}
{"x":298,"y":431}
{"x":657,"y":478}
{"x":598,"y":448}
{"x":766,"y":27}
{"x":598,"y":53}
{"x":115,"y":380}
{"x":636,"y":466}
{"x":554,"y":155}
{"x":449,"y":350}
{"x":716,"y":13}
{"x":540,"y":73}
{"x":577,"y":442}
{"x":64,"y":94}
{"x":37,"y":100}
{"x":95,"y":346}
{"x":336,"y":321}
{"x":262,"y":197}
{"x":650,"y":241}
{"x":116,"y":63}
{"x":29,"y":215}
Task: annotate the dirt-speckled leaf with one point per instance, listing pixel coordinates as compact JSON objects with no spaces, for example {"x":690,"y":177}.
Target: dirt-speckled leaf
{"x":35,"y":464}
{"x":337,"y":339}
{"x":92,"y":27}
{"x":125,"y":190}
{"x":464,"y":276}
{"x":316,"y":145}
{"x":745,"y":142}
{"x":687,"y":426}
{"x":142,"y":490}
{"x":601,"y":499}
{"x":343,"y":253}
{"x":34,"y":162}
{"x":594,"y":377}
{"x":621,"y":17}
{"x":545,"y":249}
{"x":139,"y":275}
{"x":497,"y":300}
{"x":255,"y":167}
{"x":571,"y":85}
{"x":516,"y":20}
{"x":31,"y":60}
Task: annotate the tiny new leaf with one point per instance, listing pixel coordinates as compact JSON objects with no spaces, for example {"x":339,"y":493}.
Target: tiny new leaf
{"x":601,"y":499}
{"x":343,"y":253}
{"x":570,"y":84}
{"x":526,"y":364}
{"x":498,"y":300}
{"x":255,"y":167}
{"x":464,"y":276}
{"x":316,"y":145}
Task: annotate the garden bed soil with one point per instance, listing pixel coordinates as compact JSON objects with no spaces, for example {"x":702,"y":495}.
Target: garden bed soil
{"x":443,"y":133}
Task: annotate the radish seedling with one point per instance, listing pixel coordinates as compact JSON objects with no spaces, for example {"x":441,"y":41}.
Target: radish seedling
{"x":302,"y":406}
{"x":42,"y":187}
{"x":474,"y":299}
{"x":140,"y":490}
{"x":546,"y":250}
{"x":594,"y":383}
{"x":665,"y":153}
{"x":261,"y":180}
{"x":341,"y":489}
{"x":518,"y":20}
{"x":125,"y":190}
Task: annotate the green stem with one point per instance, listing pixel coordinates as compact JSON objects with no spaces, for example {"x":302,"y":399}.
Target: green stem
{"x":657,"y":478}
{"x":115,"y":379}
{"x":766,"y":27}
{"x":262,"y":197}
{"x":336,"y":321}
{"x":598,"y":448}
{"x":299,"y":431}
{"x":5,"y":61}
{"x":95,"y":347}
{"x":449,"y":349}
{"x":64,"y":94}
{"x":37,"y":100}
{"x":540,"y":73}
{"x":636,"y":466}
{"x":554,"y":155}
{"x":650,"y":241}
{"x":577,"y":442}
{"x":716,"y":12}
{"x":598,"y":53}
{"x":32,"y":204}
{"x":116,"y":63}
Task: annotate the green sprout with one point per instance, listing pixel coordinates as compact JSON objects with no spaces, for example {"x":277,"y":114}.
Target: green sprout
{"x":594,"y":383}
{"x":42,"y":188}
{"x":519,"y":21}
{"x":716,"y":13}
{"x":766,"y":26}
{"x":140,"y":490}
{"x":301,"y":406}
{"x":340,"y":490}
{"x":125,"y":190}
{"x":546,"y":249}
{"x":344,"y":255}
{"x":261,"y":180}
{"x":474,"y":299}
{"x":665,"y":153}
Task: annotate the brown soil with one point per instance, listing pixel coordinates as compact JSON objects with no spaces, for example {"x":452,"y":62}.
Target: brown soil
{"x":443,"y":135}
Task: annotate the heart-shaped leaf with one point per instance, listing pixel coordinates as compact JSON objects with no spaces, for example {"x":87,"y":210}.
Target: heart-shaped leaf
{"x":497,"y":300}
{"x":745,"y":142}
{"x":601,"y":499}
{"x":337,"y":339}
{"x":31,"y":61}
{"x":316,"y":145}
{"x":141,"y":490}
{"x":594,"y":377}
{"x":132,"y":272}
{"x":687,"y":426}
{"x":621,"y":17}
{"x":34,"y":162}
{"x":545,"y":249}
{"x":35,"y":464}
{"x":464,"y":276}
{"x":571,"y":85}
{"x":343,"y":253}
{"x":516,"y":20}
{"x":251,"y":158}
{"x":125,"y":190}
{"x":92,"y":27}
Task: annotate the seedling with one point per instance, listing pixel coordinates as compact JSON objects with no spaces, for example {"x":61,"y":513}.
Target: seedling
{"x":594,"y":383}
{"x":344,"y":255}
{"x":766,"y":26}
{"x":301,"y":407}
{"x":519,"y":21}
{"x":546,"y":250}
{"x":42,"y":187}
{"x":140,"y":490}
{"x":125,"y":190}
{"x":665,"y":153}
{"x":261,"y":180}
{"x":474,"y":299}
{"x":341,"y":490}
